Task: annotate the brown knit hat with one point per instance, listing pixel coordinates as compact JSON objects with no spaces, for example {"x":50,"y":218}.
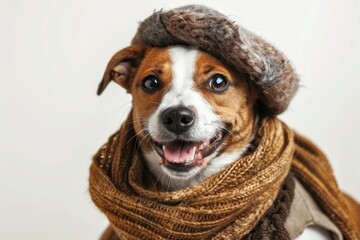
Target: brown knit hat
{"x":211,"y":31}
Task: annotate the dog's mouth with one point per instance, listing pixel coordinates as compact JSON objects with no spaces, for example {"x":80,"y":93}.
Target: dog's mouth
{"x":182,"y":156}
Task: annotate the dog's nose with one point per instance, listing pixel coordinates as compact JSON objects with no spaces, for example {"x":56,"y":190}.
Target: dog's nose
{"x":178,"y":119}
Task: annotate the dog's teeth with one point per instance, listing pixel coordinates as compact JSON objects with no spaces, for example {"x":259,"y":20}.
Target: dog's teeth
{"x":198,"y":156}
{"x":193,"y":155}
{"x":204,"y":145}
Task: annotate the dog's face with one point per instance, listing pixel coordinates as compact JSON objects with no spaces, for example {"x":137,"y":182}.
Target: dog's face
{"x":192,"y":114}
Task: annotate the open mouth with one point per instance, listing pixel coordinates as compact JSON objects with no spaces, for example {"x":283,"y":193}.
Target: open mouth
{"x":182,"y":156}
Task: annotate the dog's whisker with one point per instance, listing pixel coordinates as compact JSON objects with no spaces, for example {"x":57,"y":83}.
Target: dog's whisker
{"x":140,"y":118}
{"x":130,"y":129}
{"x":147,"y":136}
{"x":157,"y":179}
{"x":126,"y":133}
{"x":125,"y":110}
{"x":146,"y":139}
{"x":137,"y":134}
{"x":220,"y":127}
{"x":124,"y":104}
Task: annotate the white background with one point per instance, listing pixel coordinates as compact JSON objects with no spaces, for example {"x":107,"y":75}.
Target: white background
{"x":52,"y":57}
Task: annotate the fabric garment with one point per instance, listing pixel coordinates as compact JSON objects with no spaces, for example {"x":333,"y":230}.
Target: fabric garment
{"x":305,"y":212}
{"x":313,"y":170}
{"x":227,"y":205}
{"x":271,"y":224}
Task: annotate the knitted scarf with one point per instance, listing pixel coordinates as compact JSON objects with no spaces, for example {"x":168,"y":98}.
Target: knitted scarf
{"x":272,"y":225}
{"x":227,"y":205}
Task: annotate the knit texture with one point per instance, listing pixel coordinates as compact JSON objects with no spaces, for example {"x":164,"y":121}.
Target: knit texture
{"x":312,"y":168}
{"x":211,"y":31}
{"x":272,"y":225}
{"x":227,"y":205}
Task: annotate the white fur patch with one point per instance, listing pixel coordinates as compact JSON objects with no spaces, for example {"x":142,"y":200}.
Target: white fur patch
{"x":183,"y":93}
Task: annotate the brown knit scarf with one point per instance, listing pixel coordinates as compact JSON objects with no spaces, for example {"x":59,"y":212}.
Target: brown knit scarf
{"x":272,"y":225}
{"x":228,"y":205}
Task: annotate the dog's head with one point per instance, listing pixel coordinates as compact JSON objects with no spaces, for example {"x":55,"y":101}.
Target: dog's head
{"x":193,"y":115}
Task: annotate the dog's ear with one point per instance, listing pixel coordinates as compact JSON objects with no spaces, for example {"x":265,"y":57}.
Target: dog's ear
{"x":122,"y":67}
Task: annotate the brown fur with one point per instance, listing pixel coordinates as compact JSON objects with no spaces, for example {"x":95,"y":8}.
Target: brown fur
{"x":235,"y":106}
{"x":156,"y":62}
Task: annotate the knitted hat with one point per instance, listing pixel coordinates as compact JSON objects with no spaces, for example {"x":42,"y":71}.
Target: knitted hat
{"x":211,"y":31}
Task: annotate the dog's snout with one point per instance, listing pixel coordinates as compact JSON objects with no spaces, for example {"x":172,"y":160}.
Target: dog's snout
{"x":178,"y":119}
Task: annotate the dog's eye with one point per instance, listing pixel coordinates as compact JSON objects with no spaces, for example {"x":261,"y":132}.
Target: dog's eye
{"x":217,"y":83}
{"x":150,"y":83}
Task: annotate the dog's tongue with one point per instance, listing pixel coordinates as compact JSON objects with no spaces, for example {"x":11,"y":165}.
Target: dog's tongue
{"x":179,"y":152}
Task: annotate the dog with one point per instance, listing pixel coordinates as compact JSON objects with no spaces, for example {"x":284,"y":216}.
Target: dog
{"x":201,"y":89}
{"x":188,"y":125}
